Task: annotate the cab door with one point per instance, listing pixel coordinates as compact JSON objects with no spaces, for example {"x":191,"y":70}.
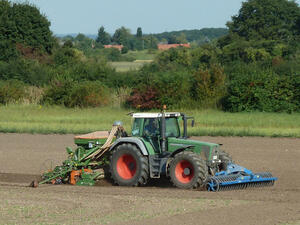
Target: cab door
{"x":151,"y":133}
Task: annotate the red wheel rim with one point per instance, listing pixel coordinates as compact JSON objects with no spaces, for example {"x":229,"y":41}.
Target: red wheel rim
{"x":184,"y":171}
{"x":126,"y":166}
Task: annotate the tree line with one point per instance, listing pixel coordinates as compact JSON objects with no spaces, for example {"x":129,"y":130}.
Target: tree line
{"x":140,"y":41}
{"x":255,"y":66}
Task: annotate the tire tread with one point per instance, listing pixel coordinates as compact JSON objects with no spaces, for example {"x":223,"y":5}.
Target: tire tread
{"x":142,"y":179}
{"x":201,"y":176}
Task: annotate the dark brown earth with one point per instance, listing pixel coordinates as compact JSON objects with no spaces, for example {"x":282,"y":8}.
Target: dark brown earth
{"x":23,"y":157}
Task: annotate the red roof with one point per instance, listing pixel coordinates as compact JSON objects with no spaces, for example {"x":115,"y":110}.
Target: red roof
{"x":168,"y":46}
{"x":114,"y":46}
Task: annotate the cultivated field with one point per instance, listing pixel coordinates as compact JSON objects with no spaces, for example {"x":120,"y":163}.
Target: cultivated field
{"x":23,"y":157}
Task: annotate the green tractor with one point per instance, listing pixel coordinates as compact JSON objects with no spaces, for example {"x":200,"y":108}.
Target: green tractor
{"x":157,"y":146}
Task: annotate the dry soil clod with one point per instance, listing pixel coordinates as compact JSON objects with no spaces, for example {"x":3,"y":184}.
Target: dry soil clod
{"x":34,"y":184}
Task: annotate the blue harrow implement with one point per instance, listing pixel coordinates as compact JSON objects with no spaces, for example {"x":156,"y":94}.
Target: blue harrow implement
{"x":238,"y":177}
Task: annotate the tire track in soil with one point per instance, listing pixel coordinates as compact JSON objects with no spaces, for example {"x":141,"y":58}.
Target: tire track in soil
{"x":18,"y":178}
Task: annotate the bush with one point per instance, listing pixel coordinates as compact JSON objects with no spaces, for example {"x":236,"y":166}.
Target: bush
{"x":123,"y":79}
{"x":173,"y":87}
{"x":72,"y":94}
{"x":112,"y":54}
{"x":158,"y":88}
{"x":58,"y":92}
{"x":78,"y":68}
{"x":204,"y":56}
{"x":92,"y":71}
{"x":174,"y":57}
{"x":177,"y":80}
{"x":208,"y":85}
{"x":124,"y":50}
{"x":144,"y":98}
{"x":29,"y":71}
{"x":66,"y":62}
{"x":12,"y":91}
{"x":88,"y":94}
{"x":65,"y":56}
{"x":255,"y":88}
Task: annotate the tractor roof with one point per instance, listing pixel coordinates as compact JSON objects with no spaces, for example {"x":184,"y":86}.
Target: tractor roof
{"x":155,"y":115}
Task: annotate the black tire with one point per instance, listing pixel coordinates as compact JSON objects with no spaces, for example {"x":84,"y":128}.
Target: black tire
{"x":197,"y":171}
{"x":128,"y":167}
{"x":225,"y":160}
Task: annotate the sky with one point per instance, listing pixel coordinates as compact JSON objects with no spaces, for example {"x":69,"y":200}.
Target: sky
{"x":156,"y":16}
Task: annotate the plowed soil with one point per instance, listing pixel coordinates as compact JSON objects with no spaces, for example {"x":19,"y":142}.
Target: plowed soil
{"x":23,"y":157}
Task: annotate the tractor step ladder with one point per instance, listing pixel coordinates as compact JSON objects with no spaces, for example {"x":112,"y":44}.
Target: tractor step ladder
{"x":158,"y":164}
{"x":155,"y":166}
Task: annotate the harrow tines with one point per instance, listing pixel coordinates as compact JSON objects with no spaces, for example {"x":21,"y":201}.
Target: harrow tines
{"x":240,"y":186}
{"x":239,"y":179}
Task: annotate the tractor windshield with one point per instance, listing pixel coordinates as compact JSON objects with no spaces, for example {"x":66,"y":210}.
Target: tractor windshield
{"x":151,"y":127}
{"x":136,"y":127}
{"x":172,"y":129}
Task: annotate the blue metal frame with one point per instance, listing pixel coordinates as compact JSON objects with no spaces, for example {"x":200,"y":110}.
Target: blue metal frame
{"x":238,"y":176}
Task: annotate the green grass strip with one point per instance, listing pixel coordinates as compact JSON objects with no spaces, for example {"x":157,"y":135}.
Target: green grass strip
{"x":61,"y":120}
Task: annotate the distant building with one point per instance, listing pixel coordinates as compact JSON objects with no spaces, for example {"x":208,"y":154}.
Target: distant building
{"x":119,"y":47}
{"x":168,"y":46}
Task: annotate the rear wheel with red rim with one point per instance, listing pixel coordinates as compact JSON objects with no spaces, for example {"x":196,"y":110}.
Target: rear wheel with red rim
{"x":128,"y":167}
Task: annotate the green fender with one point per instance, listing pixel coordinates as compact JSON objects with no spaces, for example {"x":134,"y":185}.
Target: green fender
{"x":133,"y":140}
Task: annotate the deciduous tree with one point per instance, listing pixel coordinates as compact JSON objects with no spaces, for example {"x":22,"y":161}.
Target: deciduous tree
{"x":266,"y":19}
{"x":122,"y":36}
{"x":23,"y":23}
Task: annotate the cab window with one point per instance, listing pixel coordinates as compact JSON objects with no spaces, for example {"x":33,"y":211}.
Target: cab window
{"x":135,"y":131}
{"x":172,"y":129}
{"x":151,"y":127}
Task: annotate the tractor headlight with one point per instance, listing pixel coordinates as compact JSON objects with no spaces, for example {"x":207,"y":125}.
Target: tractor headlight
{"x":215,"y":155}
{"x":90,"y":145}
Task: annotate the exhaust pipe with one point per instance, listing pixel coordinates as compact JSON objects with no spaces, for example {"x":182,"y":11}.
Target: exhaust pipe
{"x":163,"y":131}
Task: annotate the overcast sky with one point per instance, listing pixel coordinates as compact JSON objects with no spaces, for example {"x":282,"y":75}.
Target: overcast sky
{"x":74,"y":16}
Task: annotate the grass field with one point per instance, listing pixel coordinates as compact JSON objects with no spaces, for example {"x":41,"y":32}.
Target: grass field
{"x":55,"y":119}
{"x":127,"y":66}
{"x":141,"y":58}
{"x":143,"y":55}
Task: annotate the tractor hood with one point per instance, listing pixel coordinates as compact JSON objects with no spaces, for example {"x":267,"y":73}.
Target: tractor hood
{"x":205,"y":149}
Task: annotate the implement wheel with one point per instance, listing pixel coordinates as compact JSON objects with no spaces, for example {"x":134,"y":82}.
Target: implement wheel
{"x":128,"y":167}
{"x":188,"y":170}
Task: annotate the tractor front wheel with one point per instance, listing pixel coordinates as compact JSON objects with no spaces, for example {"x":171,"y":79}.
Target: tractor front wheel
{"x":128,"y":167}
{"x":187,"y":170}
{"x":225,"y":160}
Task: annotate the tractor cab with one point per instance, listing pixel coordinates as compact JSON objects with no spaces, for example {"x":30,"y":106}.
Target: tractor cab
{"x":150,"y":124}
{"x":165,"y":135}
{"x":149,"y":127}
{"x":159,"y":124}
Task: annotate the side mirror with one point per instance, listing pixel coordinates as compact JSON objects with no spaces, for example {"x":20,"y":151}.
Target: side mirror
{"x":193,"y":123}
